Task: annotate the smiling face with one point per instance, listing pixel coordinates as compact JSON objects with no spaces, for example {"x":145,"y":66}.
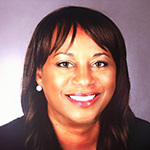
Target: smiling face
{"x":78,"y":82}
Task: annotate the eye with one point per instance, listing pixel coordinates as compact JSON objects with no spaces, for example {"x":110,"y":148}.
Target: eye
{"x":65,"y":64}
{"x":100,"y":64}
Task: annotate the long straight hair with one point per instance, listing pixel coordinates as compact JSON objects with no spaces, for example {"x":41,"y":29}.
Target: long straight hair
{"x":116,"y":117}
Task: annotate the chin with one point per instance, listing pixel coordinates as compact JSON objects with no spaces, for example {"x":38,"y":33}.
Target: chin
{"x":84,"y":120}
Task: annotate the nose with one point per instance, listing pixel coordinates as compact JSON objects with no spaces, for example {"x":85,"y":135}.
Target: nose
{"x":83,"y":77}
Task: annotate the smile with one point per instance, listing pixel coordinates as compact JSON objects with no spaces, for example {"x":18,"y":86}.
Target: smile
{"x":83,"y":100}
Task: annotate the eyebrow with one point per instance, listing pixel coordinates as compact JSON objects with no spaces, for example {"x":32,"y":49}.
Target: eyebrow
{"x":64,"y":53}
{"x":99,"y":54}
{"x":70,"y":54}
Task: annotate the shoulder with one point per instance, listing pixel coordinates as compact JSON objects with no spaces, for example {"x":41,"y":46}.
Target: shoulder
{"x":12,"y":135}
{"x":139,"y":137}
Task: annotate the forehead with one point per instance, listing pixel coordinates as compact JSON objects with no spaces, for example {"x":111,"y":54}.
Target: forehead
{"x":81,"y":41}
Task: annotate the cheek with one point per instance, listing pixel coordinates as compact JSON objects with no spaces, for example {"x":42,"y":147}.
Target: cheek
{"x":111,"y":81}
{"x":54,"y":82}
{"x":110,"y":87}
{"x":108,"y":82}
{"x":108,"y":79}
{"x":52,"y":85}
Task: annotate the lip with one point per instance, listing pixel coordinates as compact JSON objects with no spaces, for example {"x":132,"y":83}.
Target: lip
{"x":84,"y":94}
{"x":80,"y":103}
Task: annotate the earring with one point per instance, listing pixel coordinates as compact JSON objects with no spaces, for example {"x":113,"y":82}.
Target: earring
{"x":39,"y":88}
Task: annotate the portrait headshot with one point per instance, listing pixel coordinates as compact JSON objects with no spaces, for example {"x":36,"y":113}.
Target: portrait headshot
{"x":78,"y":80}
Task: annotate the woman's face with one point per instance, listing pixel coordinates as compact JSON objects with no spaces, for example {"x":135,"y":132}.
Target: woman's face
{"x":78,"y":82}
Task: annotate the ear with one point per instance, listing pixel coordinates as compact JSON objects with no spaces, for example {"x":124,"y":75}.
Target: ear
{"x":39,"y":76}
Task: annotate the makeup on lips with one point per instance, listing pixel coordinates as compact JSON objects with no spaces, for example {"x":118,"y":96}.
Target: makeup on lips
{"x":83,"y":100}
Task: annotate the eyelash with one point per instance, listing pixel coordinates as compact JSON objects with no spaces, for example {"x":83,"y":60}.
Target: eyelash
{"x":66,"y":64}
{"x":100,"y":64}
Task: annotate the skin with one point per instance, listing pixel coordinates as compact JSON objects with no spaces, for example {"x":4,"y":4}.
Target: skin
{"x":89,"y":69}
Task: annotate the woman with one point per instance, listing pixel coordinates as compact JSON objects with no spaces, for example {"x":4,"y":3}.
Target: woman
{"x":75,"y":90}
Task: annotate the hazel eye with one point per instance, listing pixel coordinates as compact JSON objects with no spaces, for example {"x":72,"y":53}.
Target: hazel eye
{"x":65,"y":64}
{"x":100,"y":64}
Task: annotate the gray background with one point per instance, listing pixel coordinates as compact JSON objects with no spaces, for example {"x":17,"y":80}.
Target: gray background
{"x":18,"y":19}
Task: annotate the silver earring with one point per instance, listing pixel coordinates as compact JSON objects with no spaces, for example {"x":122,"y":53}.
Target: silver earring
{"x":39,"y":88}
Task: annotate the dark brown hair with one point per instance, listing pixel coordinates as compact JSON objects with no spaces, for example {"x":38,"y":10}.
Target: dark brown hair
{"x":115,"y":119}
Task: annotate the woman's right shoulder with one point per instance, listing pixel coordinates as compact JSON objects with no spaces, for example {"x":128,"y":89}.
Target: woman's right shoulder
{"x":12,"y":135}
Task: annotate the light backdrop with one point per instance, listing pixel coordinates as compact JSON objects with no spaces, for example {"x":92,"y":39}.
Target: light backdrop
{"x":18,"y":18}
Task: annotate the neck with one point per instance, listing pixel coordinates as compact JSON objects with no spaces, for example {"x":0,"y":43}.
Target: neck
{"x":81,"y":137}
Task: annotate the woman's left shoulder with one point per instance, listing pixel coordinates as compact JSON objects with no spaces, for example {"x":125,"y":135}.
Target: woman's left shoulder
{"x":139,"y":137}
{"x":142,"y":127}
{"x":141,"y":124}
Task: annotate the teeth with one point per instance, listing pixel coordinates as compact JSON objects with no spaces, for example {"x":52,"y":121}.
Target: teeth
{"x":82,"y":98}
